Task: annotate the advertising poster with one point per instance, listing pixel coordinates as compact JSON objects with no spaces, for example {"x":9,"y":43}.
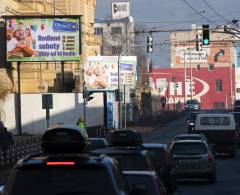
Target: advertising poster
{"x":101,"y":72}
{"x":43,"y":39}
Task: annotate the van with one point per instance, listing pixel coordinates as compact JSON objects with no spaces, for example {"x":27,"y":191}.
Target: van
{"x":219,"y":130}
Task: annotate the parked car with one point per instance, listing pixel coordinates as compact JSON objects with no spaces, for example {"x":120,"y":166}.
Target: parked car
{"x":161,"y":158}
{"x":192,"y":105}
{"x":193,"y":159}
{"x":144,"y":183}
{"x":219,"y":129}
{"x":97,"y":143}
{"x":236,"y":106}
{"x":64,"y":168}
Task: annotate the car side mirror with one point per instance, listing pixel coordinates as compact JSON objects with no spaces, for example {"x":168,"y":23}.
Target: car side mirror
{"x":2,"y":189}
{"x":138,"y":189}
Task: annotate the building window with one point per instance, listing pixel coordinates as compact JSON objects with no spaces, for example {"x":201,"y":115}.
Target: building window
{"x":198,"y":67}
{"x":210,"y":66}
{"x":116,"y":50}
{"x":116,"y":30}
{"x":218,"y":85}
{"x":98,"y":31}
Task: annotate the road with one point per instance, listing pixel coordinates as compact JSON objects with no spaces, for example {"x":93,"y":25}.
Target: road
{"x":228,"y":169}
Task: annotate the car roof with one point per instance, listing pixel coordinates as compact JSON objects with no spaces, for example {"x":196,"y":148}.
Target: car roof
{"x":87,"y":159}
{"x":154,"y":145}
{"x":214,"y":114}
{"x":189,"y":135}
{"x":120,"y":150}
{"x":189,"y":141}
{"x":140,"y":173}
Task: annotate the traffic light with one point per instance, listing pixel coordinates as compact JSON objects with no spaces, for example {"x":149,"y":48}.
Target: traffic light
{"x":149,"y":44}
{"x":117,"y":95}
{"x":205,"y":34}
{"x":198,"y":42}
{"x":87,"y":94}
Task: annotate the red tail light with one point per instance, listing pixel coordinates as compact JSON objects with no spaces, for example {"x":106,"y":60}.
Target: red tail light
{"x":210,"y":158}
{"x":69,"y":163}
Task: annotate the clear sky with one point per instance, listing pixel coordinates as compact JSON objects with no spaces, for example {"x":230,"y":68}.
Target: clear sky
{"x":174,"y":14}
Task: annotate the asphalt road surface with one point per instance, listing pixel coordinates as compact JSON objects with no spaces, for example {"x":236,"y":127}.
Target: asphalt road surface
{"x":228,"y":169}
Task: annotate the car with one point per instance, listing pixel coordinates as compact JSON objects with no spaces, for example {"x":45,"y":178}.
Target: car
{"x":193,"y":159}
{"x":97,"y":143}
{"x":237,"y":122}
{"x":65,"y":168}
{"x":126,"y":148}
{"x":191,"y":121}
{"x":190,"y":136}
{"x":236,"y":106}
{"x":144,"y":183}
{"x":220,"y":131}
{"x":162,"y":161}
{"x":192,"y":105}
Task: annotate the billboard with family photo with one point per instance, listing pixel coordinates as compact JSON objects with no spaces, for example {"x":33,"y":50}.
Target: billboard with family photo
{"x":43,"y":39}
{"x":101,"y":72}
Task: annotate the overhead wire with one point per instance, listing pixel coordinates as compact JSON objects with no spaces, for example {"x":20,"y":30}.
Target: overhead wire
{"x":215,"y":11}
{"x":189,"y":5}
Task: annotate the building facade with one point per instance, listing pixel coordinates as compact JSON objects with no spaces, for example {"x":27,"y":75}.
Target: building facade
{"x":115,"y":35}
{"x":207,"y":75}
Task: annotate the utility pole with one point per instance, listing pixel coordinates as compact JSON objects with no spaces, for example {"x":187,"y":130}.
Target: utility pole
{"x":185,"y":77}
{"x":191,"y":73}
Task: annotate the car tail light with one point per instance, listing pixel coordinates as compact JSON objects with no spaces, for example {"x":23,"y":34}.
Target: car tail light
{"x":65,"y":163}
{"x":210,"y":158}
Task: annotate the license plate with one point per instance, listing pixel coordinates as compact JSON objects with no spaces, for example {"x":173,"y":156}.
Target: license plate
{"x":192,"y":161}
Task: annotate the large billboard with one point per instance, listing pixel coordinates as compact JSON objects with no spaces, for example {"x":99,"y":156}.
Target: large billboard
{"x":33,"y":39}
{"x":101,"y":72}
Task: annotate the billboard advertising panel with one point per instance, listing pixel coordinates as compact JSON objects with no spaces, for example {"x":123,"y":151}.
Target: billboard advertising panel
{"x":32,"y":39}
{"x":101,"y":72}
{"x":120,"y":10}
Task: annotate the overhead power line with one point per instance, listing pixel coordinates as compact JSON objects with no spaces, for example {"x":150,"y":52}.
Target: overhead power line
{"x":189,"y":5}
{"x":215,"y":11}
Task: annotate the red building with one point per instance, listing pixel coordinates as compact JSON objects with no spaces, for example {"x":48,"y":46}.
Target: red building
{"x":213,"y":88}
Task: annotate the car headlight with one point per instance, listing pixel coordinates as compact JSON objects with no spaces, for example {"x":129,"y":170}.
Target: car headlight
{"x":191,"y":123}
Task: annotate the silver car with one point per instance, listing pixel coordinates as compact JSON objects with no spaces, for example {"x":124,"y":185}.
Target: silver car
{"x":193,"y":159}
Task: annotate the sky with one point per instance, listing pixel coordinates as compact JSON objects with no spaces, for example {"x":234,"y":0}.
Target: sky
{"x":173,"y":14}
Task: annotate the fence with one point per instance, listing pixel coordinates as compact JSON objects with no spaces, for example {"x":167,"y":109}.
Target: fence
{"x":18,"y":150}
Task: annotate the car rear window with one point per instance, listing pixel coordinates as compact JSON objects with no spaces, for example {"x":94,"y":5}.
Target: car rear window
{"x":61,"y":181}
{"x":132,"y":162}
{"x":215,"y":120}
{"x":189,"y":149}
{"x":188,"y":138}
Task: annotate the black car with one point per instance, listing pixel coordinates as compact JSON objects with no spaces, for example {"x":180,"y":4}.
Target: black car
{"x":191,"y":121}
{"x":192,"y":105}
{"x":97,"y":143}
{"x":161,"y":158}
{"x":144,"y":183}
{"x":65,"y":169}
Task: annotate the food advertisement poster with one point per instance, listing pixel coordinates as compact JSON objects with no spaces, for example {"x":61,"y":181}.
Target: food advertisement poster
{"x":101,"y":72}
{"x":43,"y":39}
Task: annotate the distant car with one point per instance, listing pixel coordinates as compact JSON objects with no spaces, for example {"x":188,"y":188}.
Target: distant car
{"x":193,"y":159}
{"x":162,"y":161}
{"x":144,"y":183}
{"x":191,"y":121}
{"x":192,"y":105}
{"x":236,"y":106}
{"x":96,"y":143}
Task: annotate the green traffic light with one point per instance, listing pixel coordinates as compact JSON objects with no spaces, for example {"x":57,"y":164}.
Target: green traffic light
{"x":206,"y":42}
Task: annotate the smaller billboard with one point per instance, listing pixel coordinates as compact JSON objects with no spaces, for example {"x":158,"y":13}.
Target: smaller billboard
{"x":101,"y":72}
{"x":33,"y":39}
{"x":120,"y":10}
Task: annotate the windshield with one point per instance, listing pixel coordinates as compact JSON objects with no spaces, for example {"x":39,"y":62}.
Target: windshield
{"x":191,"y":102}
{"x":61,"y":181}
{"x":132,"y":162}
{"x":215,"y":120}
{"x":189,"y":149}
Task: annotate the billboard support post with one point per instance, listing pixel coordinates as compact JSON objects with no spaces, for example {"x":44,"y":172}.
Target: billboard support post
{"x":19,"y":109}
{"x":62,"y":73}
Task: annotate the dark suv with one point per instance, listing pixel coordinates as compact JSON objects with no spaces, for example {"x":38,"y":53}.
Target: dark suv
{"x":64,"y":168}
{"x":192,"y":105}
